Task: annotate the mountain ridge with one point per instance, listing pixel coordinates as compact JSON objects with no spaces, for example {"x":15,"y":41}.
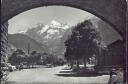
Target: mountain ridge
{"x":54,"y":34}
{"x":22,"y":41}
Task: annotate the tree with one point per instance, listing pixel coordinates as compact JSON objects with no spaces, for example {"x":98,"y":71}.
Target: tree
{"x":35,"y":58}
{"x":70,"y":49}
{"x":17,"y":57}
{"x":32,"y":58}
{"x":81,"y":44}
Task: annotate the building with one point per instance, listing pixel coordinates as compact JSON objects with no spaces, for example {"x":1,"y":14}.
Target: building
{"x":114,"y":56}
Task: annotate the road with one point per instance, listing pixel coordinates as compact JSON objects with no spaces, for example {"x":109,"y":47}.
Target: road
{"x":48,"y":76}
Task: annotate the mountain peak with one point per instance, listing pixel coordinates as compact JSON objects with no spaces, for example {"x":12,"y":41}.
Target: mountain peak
{"x":55,"y":23}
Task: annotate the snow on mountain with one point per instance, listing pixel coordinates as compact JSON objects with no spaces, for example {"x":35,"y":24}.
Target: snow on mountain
{"x":55,"y":33}
{"x":43,"y":29}
{"x":55,"y":23}
{"x":53,"y":30}
{"x":23,"y":32}
{"x":49,"y":35}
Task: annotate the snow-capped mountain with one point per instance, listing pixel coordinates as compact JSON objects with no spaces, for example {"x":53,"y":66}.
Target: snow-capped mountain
{"x":49,"y":35}
{"x":53,"y":30}
{"x":54,"y":34}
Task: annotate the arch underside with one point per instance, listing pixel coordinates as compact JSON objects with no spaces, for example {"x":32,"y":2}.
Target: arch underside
{"x":111,"y":11}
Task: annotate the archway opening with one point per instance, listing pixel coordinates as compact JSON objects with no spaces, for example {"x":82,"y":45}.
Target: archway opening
{"x":67,"y":19}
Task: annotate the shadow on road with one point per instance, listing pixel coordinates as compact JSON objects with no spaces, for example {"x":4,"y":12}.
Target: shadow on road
{"x":65,"y":72}
{"x":75,"y":74}
{"x":78,"y":75}
{"x":13,"y":82}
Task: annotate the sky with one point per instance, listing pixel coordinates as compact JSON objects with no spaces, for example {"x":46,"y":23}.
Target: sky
{"x":45,"y":15}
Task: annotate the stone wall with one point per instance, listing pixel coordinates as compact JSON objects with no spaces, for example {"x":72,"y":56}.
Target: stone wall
{"x":4,"y":41}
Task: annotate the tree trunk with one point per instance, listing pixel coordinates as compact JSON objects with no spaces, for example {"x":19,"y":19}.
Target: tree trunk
{"x":71,"y":64}
{"x":77,"y":63}
{"x":84,"y":62}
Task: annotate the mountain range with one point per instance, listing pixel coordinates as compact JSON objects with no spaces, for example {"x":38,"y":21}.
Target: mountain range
{"x":50,"y":38}
{"x":21,"y":41}
{"x":50,"y":35}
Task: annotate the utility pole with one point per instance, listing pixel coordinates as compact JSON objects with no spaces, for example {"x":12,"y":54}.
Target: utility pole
{"x":28,"y":48}
{"x":99,"y":56}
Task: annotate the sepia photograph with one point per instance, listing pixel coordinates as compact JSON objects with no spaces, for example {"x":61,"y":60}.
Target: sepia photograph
{"x":63,"y":42}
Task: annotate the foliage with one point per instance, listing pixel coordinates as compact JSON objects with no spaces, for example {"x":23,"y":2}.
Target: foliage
{"x":81,"y":44}
{"x":17,"y":57}
{"x":34,"y":58}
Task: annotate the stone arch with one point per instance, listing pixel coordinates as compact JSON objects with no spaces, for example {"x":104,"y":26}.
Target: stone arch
{"x":111,"y":11}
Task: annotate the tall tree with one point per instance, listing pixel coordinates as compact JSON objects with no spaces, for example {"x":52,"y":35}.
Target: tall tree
{"x":82,"y":43}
